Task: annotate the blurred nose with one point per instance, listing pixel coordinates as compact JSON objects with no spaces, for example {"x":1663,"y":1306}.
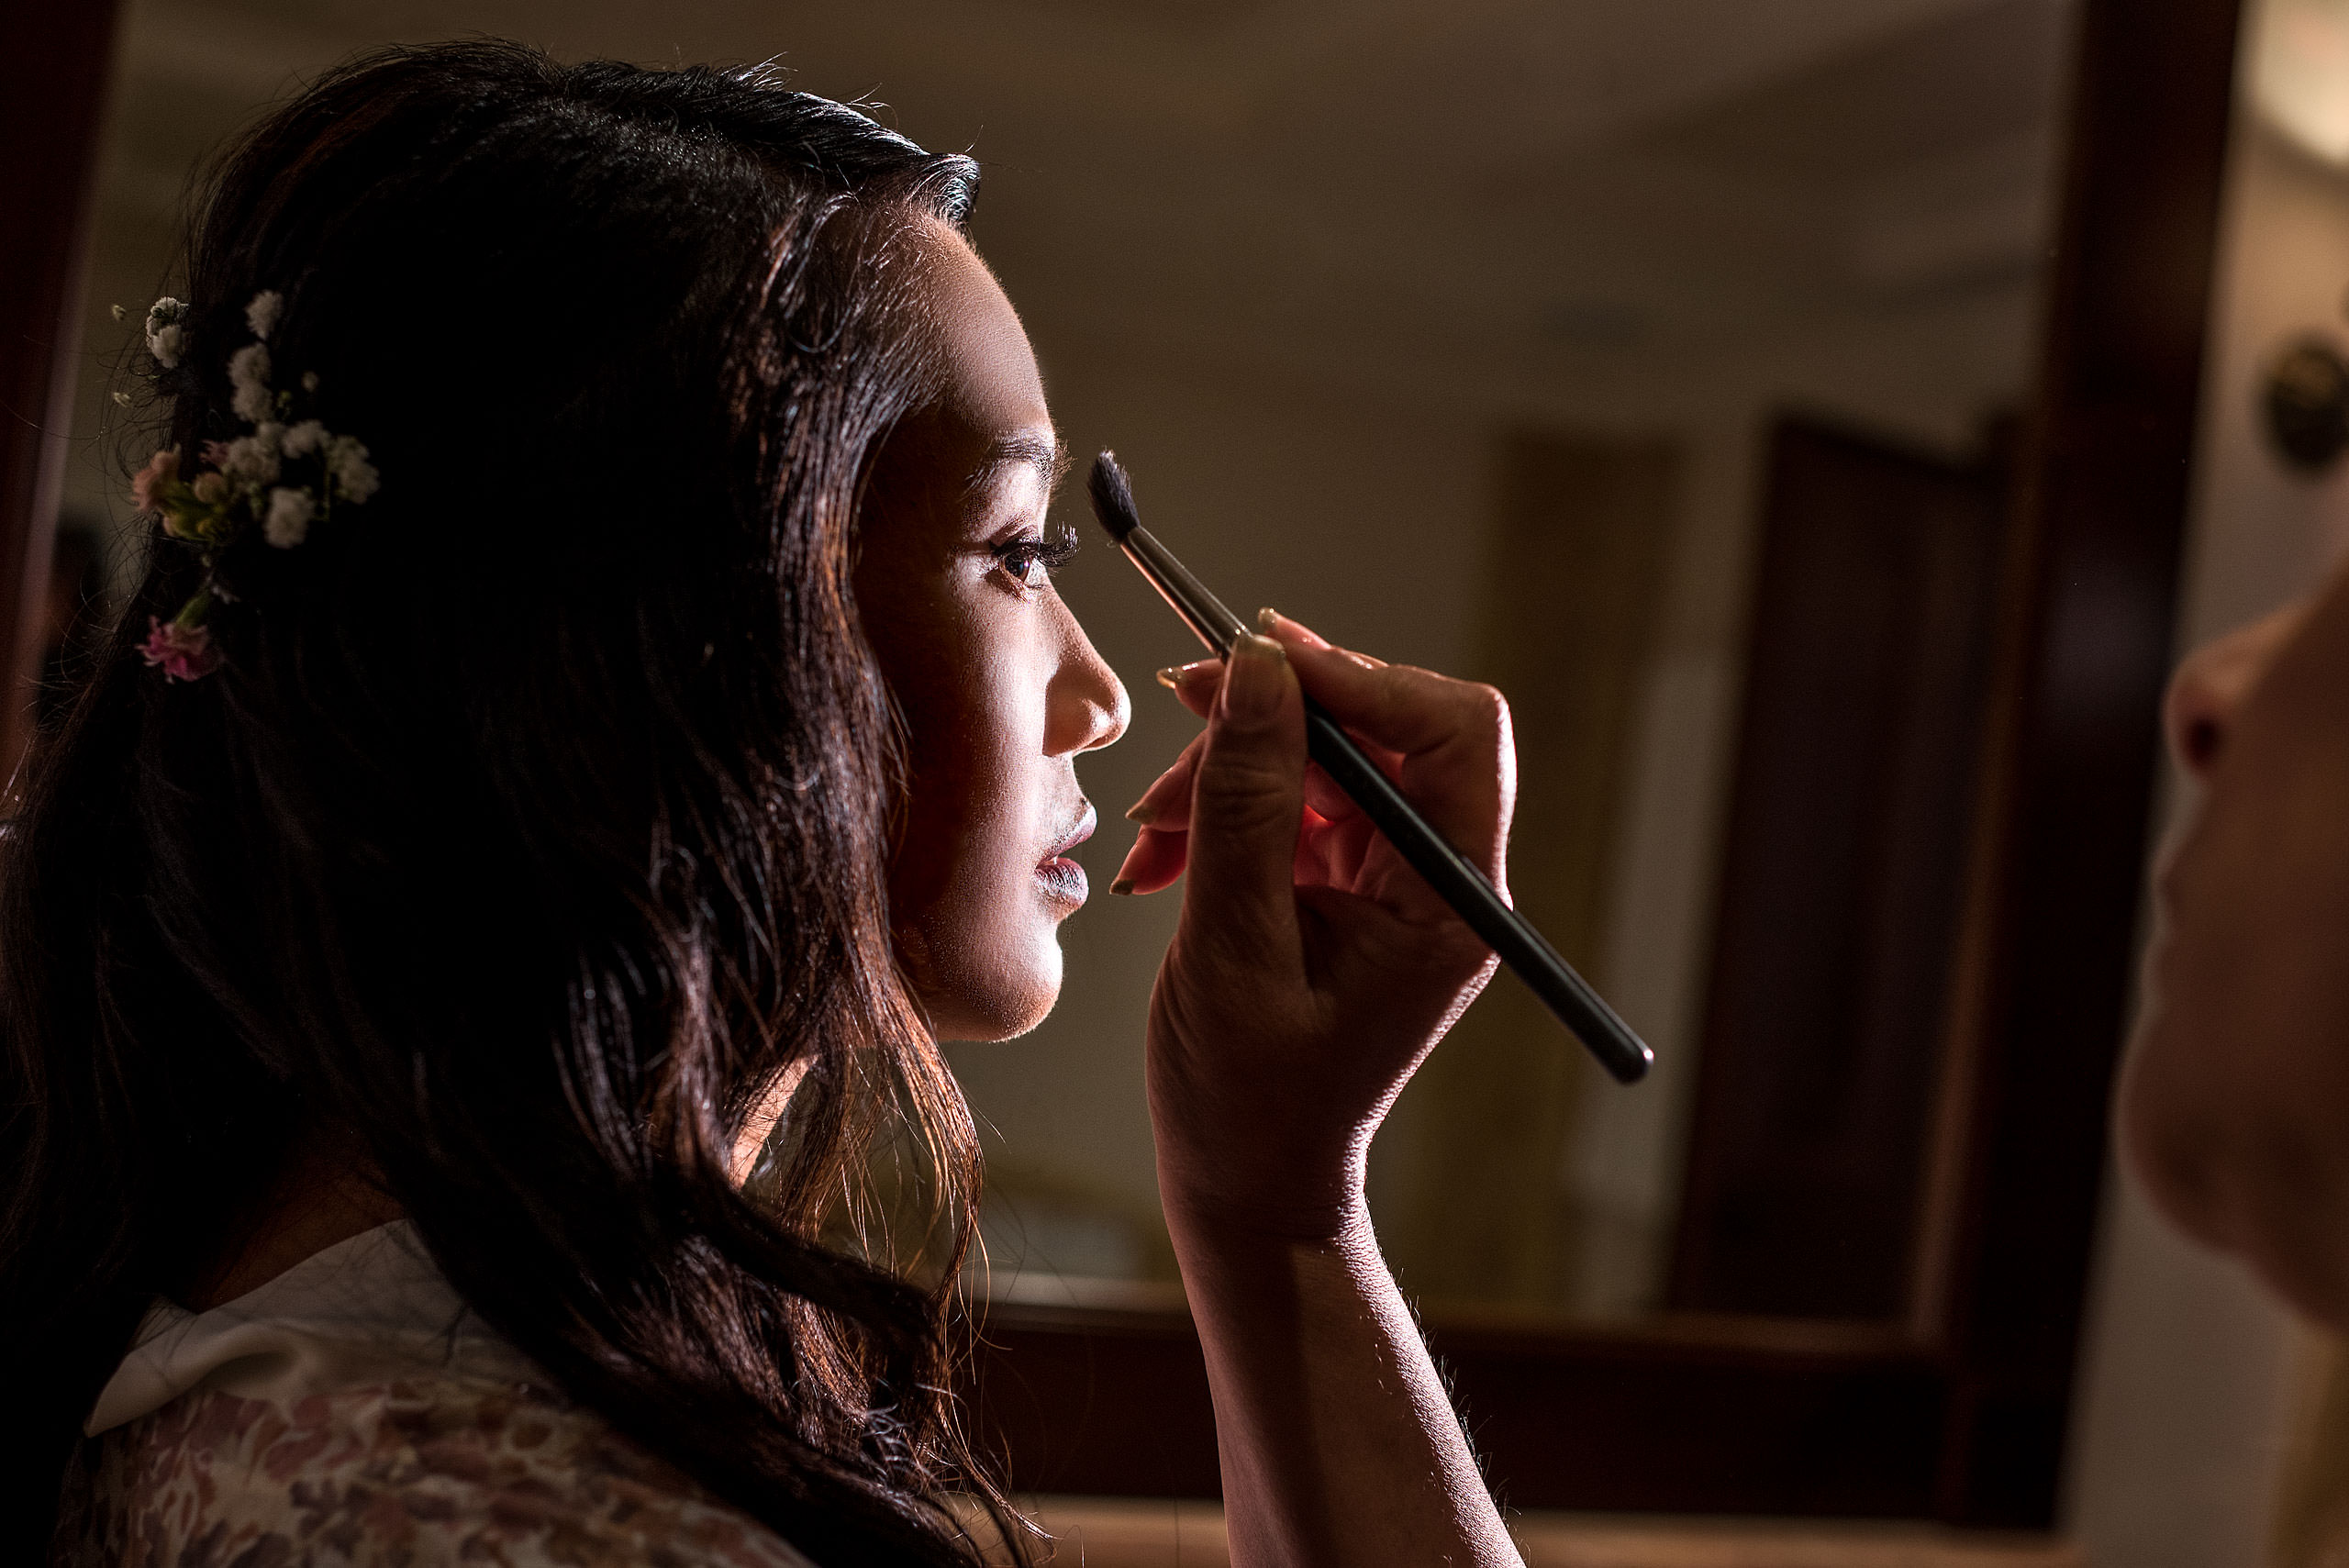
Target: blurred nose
{"x":1089,"y":709}
{"x":2210,"y":684}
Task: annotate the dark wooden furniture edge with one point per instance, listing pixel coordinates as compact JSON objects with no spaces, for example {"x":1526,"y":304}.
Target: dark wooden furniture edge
{"x":1717,"y":1415}
{"x":1960,"y":1413}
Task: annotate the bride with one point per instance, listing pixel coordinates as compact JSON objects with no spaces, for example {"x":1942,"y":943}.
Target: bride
{"x":594,"y":713}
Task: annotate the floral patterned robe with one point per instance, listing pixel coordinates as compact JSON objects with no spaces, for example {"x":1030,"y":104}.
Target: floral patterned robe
{"x":352,"y":1412}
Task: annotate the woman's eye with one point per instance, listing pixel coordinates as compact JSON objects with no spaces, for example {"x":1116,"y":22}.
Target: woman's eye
{"x":1030,"y":563}
{"x":1026,"y":566}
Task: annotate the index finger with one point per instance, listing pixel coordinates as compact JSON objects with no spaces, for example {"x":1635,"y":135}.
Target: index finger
{"x":1401,"y":708}
{"x":1459,"y":763}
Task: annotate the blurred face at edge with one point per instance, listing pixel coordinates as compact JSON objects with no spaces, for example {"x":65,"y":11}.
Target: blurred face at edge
{"x":999,"y":687}
{"x":2234,"y":1105}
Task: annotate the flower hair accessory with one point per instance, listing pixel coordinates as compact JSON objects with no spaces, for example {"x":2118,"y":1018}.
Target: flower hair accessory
{"x":276,"y":480}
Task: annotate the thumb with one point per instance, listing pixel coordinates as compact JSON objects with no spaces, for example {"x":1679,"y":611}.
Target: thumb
{"x":1248,"y":805}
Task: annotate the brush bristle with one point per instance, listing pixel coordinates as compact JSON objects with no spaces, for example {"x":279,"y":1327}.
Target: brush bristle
{"x":1113,"y":496}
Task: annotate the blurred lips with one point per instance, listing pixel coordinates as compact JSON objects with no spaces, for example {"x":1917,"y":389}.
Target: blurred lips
{"x":1062,"y":878}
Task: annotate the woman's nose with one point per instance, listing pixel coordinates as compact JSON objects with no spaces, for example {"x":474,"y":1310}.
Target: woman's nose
{"x":1089,"y":707}
{"x":2211,"y":683}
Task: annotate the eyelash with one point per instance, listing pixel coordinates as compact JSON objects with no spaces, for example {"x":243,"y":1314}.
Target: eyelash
{"x":1020,"y":557}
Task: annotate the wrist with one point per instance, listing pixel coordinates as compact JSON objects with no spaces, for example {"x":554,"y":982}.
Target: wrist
{"x":1247,"y":1260}
{"x":1211,"y":1213}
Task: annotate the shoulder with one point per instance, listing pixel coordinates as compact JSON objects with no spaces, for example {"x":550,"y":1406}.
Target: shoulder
{"x":408,"y":1471}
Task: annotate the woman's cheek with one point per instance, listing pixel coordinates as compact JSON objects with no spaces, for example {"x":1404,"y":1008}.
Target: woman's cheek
{"x":2233,"y":1107}
{"x":2169,"y":1138}
{"x":981,"y":938}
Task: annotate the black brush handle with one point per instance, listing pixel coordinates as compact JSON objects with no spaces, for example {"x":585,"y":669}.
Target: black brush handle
{"x":1462,"y":886}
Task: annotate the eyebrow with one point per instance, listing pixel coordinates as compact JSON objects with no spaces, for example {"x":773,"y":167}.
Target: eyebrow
{"x":1049,"y":455}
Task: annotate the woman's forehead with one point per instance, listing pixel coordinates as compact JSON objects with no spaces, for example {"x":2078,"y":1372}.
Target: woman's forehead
{"x":989,"y":379}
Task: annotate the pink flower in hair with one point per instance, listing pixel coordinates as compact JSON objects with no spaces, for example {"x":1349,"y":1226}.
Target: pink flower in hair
{"x":146,"y":486}
{"x":185,"y":653}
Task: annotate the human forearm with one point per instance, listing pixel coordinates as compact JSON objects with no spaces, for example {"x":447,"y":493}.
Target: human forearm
{"x":1338,"y":1445}
{"x":1311,"y":971}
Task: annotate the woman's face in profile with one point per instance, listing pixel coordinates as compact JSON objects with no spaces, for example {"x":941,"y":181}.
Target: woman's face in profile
{"x":2234,"y":1104}
{"x":999,"y":687}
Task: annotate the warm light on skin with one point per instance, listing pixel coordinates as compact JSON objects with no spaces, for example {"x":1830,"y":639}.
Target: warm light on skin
{"x":1000,"y":686}
{"x":759,"y":1125}
{"x":2234,"y":1105}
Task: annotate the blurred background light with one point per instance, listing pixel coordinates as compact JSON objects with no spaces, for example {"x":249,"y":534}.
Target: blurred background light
{"x":2300,"y":73}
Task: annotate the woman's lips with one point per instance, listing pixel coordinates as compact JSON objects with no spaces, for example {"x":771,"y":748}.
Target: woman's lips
{"x":1063,"y":879}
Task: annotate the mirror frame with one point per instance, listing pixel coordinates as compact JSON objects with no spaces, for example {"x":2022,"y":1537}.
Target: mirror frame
{"x":1959,"y":1411}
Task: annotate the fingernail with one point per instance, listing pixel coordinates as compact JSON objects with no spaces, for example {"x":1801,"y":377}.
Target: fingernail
{"x":1175,"y":677}
{"x":1252,"y":691}
{"x":1122,"y":886}
{"x":1141,"y":811}
{"x":1267,"y":618}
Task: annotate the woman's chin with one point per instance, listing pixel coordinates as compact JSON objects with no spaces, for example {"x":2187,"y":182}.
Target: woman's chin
{"x":1002,"y":1004}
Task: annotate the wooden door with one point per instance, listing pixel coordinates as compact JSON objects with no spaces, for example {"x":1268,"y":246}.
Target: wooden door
{"x":1841,"y":877}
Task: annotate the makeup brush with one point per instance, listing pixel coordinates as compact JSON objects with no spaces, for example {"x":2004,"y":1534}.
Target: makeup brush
{"x":1456,"y":881}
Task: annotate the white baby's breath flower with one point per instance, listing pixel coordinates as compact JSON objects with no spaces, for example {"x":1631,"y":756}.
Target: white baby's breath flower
{"x":355,"y":478}
{"x":304,"y":438}
{"x":309,"y":380}
{"x":261,"y":314}
{"x":121,"y":399}
{"x":249,"y":373}
{"x":119,"y":313}
{"x":250,"y":461}
{"x":165,"y":337}
{"x":287,"y":522}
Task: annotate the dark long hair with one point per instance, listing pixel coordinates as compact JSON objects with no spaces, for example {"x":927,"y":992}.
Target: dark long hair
{"x":534,"y":824}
